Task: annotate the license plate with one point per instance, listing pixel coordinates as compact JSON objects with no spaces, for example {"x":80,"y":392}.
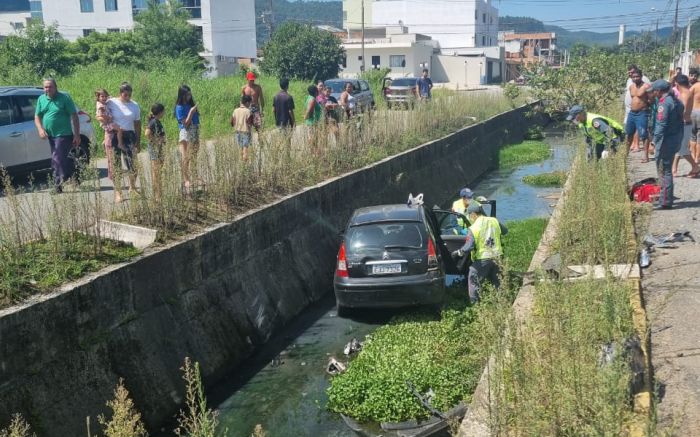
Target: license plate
{"x":386,"y":269}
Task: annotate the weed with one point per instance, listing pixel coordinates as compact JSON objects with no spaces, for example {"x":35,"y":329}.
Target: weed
{"x":527,"y":152}
{"x":125,"y":420}
{"x":551,"y":179}
{"x":18,"y":428}
{"x":197,"y":420}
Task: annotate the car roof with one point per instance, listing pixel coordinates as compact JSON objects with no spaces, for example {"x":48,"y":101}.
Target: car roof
{"x":342,"y":80}
{"x":12,"y":90}
{"x":383,"y":213}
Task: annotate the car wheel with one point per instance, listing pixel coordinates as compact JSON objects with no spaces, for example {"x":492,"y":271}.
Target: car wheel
{"x":388,"y":105}
{"x":342,"y":311}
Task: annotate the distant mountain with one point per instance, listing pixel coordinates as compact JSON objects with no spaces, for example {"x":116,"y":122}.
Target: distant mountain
{"x":14,"y":5}
{"x":567,"y":38}
{"x":312,"y":12}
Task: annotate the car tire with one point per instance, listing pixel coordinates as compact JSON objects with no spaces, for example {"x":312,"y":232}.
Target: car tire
{"x":388,"y":106}
{"x":341,"y":311}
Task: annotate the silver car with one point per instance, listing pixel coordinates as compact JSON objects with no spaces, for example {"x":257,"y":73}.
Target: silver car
{"x":399,"y":92}
{"x":364,"y":99}
{"x":21,"y":148}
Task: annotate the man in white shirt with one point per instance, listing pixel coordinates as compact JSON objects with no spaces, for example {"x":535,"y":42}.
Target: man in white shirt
{"x":127,"y":114}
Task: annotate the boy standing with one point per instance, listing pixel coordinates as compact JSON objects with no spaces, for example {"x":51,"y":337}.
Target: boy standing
{"x":242,"y":120}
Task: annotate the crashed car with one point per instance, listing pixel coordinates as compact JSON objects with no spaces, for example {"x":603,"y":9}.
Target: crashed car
{"x":396,"y":255}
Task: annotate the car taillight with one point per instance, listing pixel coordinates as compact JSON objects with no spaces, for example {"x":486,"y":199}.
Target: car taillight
{"x":387,"y":91}
{"x":342,"y":268}
{"x":89,"y":119}
{"x":432,"y":256}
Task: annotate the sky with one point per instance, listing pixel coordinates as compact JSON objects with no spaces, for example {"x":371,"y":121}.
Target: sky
{"x":602,"y":15}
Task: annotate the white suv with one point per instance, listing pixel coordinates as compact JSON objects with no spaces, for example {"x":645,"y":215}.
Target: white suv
{"x":21,"y":148}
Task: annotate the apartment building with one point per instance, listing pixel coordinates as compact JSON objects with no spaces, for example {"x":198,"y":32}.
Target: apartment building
{"x":227,"y":27}
{"x":456,"y":26}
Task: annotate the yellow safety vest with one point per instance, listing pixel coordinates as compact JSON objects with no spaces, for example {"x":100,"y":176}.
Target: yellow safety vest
{"x":487,"y":238}
{"x":458,"y":206}
{"x":597,"y":136}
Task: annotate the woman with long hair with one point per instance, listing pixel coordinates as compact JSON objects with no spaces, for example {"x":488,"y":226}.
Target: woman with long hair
{"x":187,"y":115}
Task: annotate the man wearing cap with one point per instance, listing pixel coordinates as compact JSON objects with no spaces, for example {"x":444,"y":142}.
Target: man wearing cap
{"x":484,"y":243}
{"x":460,"y":206}
{"x":257,"y":104}
{"x":599,"y":131}
{"x":668,"y":134}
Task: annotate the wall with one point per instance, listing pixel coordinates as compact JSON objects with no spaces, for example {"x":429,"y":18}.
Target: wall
{"x":228,"y":28}
{"x":213,"y":296}
{"x":462,"y":70}
{"x":71,"y":22}
{"x":8,"y":21}
{"x":414,"y":56}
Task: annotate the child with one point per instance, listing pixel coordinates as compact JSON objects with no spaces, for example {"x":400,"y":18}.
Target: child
{"x":104,"y":116}
{"x":242,"y":120}
{"x":156,"y":141}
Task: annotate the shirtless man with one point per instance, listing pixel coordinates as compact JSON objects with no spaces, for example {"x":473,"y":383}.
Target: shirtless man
{"x":638,"y":118}
{"x":255,"y":92}
{"x":695,"y":114}
{"x":686,"y":97}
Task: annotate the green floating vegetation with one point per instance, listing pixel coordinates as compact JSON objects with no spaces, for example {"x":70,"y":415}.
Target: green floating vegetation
{"x":431,"y":354}
{"x":551,"y":179}
{"x":42,"y":265}
{"x":527,"y":152}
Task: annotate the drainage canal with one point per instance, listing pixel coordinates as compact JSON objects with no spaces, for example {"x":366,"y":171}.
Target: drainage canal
{"x":283,"y":386}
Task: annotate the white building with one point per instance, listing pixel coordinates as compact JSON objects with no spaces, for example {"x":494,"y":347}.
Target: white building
{"x":12,"y":22}
{"x":455,"y":25}
{"x":227,"y":27}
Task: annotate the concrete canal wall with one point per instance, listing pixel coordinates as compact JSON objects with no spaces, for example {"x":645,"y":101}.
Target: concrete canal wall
{"x":214,"y":296}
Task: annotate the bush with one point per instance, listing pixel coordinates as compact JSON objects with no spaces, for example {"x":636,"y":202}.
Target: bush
{"x":125,"y":420}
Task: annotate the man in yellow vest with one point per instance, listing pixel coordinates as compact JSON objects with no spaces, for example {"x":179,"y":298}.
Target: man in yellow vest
{"x":600,"y":131}
{"x":484,"y":243}
{"x":460,"y":205}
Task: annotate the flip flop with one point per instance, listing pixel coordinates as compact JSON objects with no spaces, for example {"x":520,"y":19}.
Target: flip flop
{"x":693,"y":175}
{"x":644,"y":161}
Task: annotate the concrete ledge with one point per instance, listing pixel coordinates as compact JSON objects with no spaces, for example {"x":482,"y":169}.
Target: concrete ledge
{"x":138,"y":236}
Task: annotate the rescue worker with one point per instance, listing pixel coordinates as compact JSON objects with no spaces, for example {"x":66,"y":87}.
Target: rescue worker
{"x":599,"y":131}
{"x":483,"y":242}
{"x":668,"y":134}
{"x":460,"y":206}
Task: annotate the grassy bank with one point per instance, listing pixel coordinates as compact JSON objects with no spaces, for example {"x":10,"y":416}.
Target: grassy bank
{"x":527,"y":152}
{"x":551,"y":179}
{"x":432,"y":354}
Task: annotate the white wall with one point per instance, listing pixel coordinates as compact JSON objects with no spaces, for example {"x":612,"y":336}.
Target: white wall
{"x":352,"y":13}
{"x":452,"y":24}
{"x":228,"y":28}
{"x":71,"y":22}
{"x":8,"y":18}
{"x":414,"y":56}
{"x":464,"y":71}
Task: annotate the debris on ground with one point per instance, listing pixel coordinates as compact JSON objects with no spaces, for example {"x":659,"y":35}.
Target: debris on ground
{"x":352,"y":347}
{"x":335,"y":367}
{"x":277,"y":361}
{"x":666,"y":241}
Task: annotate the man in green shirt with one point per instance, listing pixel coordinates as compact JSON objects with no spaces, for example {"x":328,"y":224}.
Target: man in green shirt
{"x":56,"y":118}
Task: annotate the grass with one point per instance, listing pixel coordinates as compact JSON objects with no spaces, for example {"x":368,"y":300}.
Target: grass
{"x":527,"y":152}
{"x":42,"y":265}
{"x":551,"y":179}
{"x":431,"y":354}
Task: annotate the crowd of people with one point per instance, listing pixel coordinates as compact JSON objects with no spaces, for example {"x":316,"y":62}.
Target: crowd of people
{"x":57,"y":120}
{"x":662,"y":120}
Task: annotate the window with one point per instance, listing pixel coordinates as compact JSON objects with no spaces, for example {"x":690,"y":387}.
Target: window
{"x":87,"y":32}
{"x":113,"y":30}
{"x":359,"y":58}
{"x":86,"y":6}
{"x":199,"y":31}
{"x":483,"y":18}
{"x":344,"y":63}
{"x":111,"y":5}
{"x":6,"y":111}
{"x":397,"y":61}
{"x":17,"y":26}
{"x":345,"y":15}
{"x":376,"y":61}
{"x":483,"y":40}
{"x":364,"y":86}
{"x":27,"y":106}
{"x":476,"y":14}
{"x":35,"y":9}
{"x":194,"y":7}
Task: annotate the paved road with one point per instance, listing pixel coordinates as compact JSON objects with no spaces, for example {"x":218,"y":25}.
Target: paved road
{"x":671,"y":287}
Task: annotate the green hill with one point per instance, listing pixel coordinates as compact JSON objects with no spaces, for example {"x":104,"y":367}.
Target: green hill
{"x":312,"y":12}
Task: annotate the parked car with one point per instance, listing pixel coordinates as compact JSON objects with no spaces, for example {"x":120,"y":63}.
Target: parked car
{"x":396,"y":255}
{"x":21,"y":148}
{"x":399,"y":92}
{"x":364,"y":99}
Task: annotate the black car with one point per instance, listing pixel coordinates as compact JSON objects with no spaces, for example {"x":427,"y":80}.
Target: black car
{"x":396,"y":255}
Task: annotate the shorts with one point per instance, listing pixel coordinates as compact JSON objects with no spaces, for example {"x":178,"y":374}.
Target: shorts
{"x":685,"y":142}
{"x":695,"y":120}
{"x":638,"y":121}
{"x":243,"y":139}
{"x":190,"y":134}
{"x":129,"y":144}
{"x":257,"y":116}
{"x":155,"y":152}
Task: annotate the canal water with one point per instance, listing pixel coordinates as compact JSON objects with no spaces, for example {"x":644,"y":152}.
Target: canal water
{"x":283,"y":386}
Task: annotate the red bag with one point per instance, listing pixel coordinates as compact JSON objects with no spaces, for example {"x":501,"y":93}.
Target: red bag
{"x":645,"y":192}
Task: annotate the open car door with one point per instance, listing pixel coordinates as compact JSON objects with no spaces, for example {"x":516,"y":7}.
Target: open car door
{"x":449,"y":236}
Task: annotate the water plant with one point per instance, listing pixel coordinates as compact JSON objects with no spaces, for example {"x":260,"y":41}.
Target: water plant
{"x":527,"y":152}
{"x":551,"y":179}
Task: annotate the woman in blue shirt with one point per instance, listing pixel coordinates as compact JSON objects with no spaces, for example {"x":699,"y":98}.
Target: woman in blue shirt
{"x":187,"y":116}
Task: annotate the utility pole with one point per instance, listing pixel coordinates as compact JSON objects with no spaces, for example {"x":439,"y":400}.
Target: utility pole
{"x":362,"y":68}
{"x":272,"y":20}
{"x":674,"y":37}
{"x":687,"y":35}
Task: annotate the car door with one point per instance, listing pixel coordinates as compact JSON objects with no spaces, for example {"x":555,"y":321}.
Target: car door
{"x":38,"y":149}
{"x":444,"y":227}
{"x":366,"y":94}
{"x":12,"y":150}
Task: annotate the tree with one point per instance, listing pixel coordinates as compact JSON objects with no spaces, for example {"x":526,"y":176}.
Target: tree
{"x":37,"y":51}
{"x":112,"y":48}
{"x":302,"y":51}
{"x":162,"y":31}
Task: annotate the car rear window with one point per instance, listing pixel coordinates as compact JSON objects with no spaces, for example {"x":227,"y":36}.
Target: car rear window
{"x":404,"y":82}
{"x":336,"y":86}
{"x":406,"y":235}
